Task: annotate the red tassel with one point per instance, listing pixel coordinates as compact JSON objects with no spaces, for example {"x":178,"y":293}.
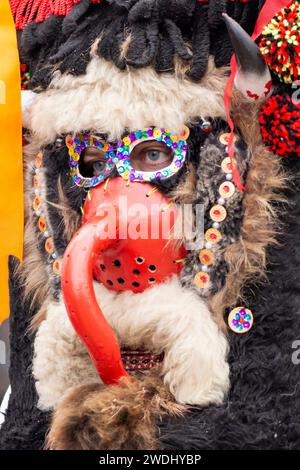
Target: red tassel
{"x":26,"y":11}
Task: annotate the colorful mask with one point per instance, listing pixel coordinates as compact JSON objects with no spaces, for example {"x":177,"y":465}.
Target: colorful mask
{"x":172,"y":148}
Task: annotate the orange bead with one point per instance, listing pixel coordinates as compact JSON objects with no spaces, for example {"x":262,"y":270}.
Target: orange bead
{"x":206,"y":257}
{"x":212,"y":235}
{"x":201,"y":279}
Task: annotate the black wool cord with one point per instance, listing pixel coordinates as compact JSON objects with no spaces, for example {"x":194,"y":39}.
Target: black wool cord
{"x":200,"y":42}
{"x":134,"y":33}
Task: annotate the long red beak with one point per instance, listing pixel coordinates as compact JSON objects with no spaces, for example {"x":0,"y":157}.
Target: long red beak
{"x":80,"y":300}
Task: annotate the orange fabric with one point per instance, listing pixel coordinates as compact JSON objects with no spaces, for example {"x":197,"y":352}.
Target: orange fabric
{"x":11,"y":175}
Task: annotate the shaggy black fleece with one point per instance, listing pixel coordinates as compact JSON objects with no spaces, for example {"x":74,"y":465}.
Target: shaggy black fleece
{"x":25,"y":426}
{"x":263,"y":407}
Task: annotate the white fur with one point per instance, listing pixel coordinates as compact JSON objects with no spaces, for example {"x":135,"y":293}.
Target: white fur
{"x":165,"y":317}
{"x":108,"y":100}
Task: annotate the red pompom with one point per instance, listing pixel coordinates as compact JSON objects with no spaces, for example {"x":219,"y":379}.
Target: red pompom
{"x":280,"y":125}
{"x":280,"y":43}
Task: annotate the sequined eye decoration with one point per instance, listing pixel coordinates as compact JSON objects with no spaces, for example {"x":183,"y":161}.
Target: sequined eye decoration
{"x":77,"y":145}
{"x":151,"y":154}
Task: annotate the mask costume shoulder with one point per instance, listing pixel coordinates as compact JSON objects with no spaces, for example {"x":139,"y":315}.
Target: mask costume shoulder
{"x":161,"y":243}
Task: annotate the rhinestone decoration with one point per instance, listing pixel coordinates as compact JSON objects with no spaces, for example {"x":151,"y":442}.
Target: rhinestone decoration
{"x":240,"y":320}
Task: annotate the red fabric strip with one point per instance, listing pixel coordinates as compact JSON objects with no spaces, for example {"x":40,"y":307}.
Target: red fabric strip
{"x":269,"y":10}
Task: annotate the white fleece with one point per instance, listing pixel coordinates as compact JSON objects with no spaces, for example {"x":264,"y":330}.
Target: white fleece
{"x":165,"y":317}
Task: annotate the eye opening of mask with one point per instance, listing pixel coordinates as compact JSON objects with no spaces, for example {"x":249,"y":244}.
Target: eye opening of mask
{"x":173,"y":146}
{"x":168,"y":156}
{"x":78,"y":147}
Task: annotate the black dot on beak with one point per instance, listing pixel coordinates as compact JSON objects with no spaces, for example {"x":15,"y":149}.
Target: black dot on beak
{"x":151,"y":280}
{"x":136,"y":284}
{"x":117,"y":263}
{"x":102,"y":266}
{"x":109,"y":282}
{"x":136,"y":271}
{"x":152,"y":268}
{"x":120,"y":280}
{"x":139,"y":260}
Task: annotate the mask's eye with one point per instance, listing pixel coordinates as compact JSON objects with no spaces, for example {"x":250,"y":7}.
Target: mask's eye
{"x":92,"y":162}
{"x":151,"y":156}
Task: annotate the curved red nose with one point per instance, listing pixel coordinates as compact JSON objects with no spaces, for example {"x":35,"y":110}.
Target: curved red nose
{"x":125,"y":243}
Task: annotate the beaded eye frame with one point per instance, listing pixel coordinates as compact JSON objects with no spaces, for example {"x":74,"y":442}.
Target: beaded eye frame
{"x":176,"y":143}
{"x":76,"y":146}
{"x":121,"y":158}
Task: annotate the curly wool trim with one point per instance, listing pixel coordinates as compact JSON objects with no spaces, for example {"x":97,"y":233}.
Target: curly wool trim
{"x":246,"y":258}
{"x":280,"y":125}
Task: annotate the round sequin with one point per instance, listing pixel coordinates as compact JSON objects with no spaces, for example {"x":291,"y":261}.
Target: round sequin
{"x":212,"y":235}
{"x":226,"y":189}
{"x":38,"y":160}
{"x":224,"y":138}
{"x":42,"y":224}
{"x":201,"y":279}
{"x":37,"y":203}
{"x":49,"y":247}
{"x":56,"y":267}
{"x":218,"y":213}
{"x":185,"y":133}
{"x":226,"y":165}
{"x":206,"y":257}
{"x":35,"y":182}
{"x":240,"y":320}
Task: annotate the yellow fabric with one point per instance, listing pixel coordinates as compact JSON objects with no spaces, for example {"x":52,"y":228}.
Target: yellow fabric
{"x":11,"y":175}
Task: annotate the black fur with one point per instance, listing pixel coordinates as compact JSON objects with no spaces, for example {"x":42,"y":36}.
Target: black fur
{"x":263,"y":407}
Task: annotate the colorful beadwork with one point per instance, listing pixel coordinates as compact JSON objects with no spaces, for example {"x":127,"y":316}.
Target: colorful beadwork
{"x":76,"y":146}
{"x":240,"y":320}
{"x":121,"y":158}
{"x":140,"y":360}
{"x":218,"y":214}
{"x":126,"y":145}
{"x":280,"y":43}
{"x":42,"y":225}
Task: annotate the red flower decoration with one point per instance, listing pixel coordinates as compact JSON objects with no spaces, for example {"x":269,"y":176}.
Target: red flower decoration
{"x":280,"y":125}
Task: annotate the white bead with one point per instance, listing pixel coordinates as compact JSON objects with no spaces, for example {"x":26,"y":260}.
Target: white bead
{"x":46,"y":234}
{"x":229,"y":176}
{"x":221,"y":201}
{"x":38,"y":213}
{"x":208,"y":245}
{"x":204,"y":268}
{"x":53,"y":255}
{"x":216,"y":225}
{"x":37,"y":192}
{"x":37,"y":170}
